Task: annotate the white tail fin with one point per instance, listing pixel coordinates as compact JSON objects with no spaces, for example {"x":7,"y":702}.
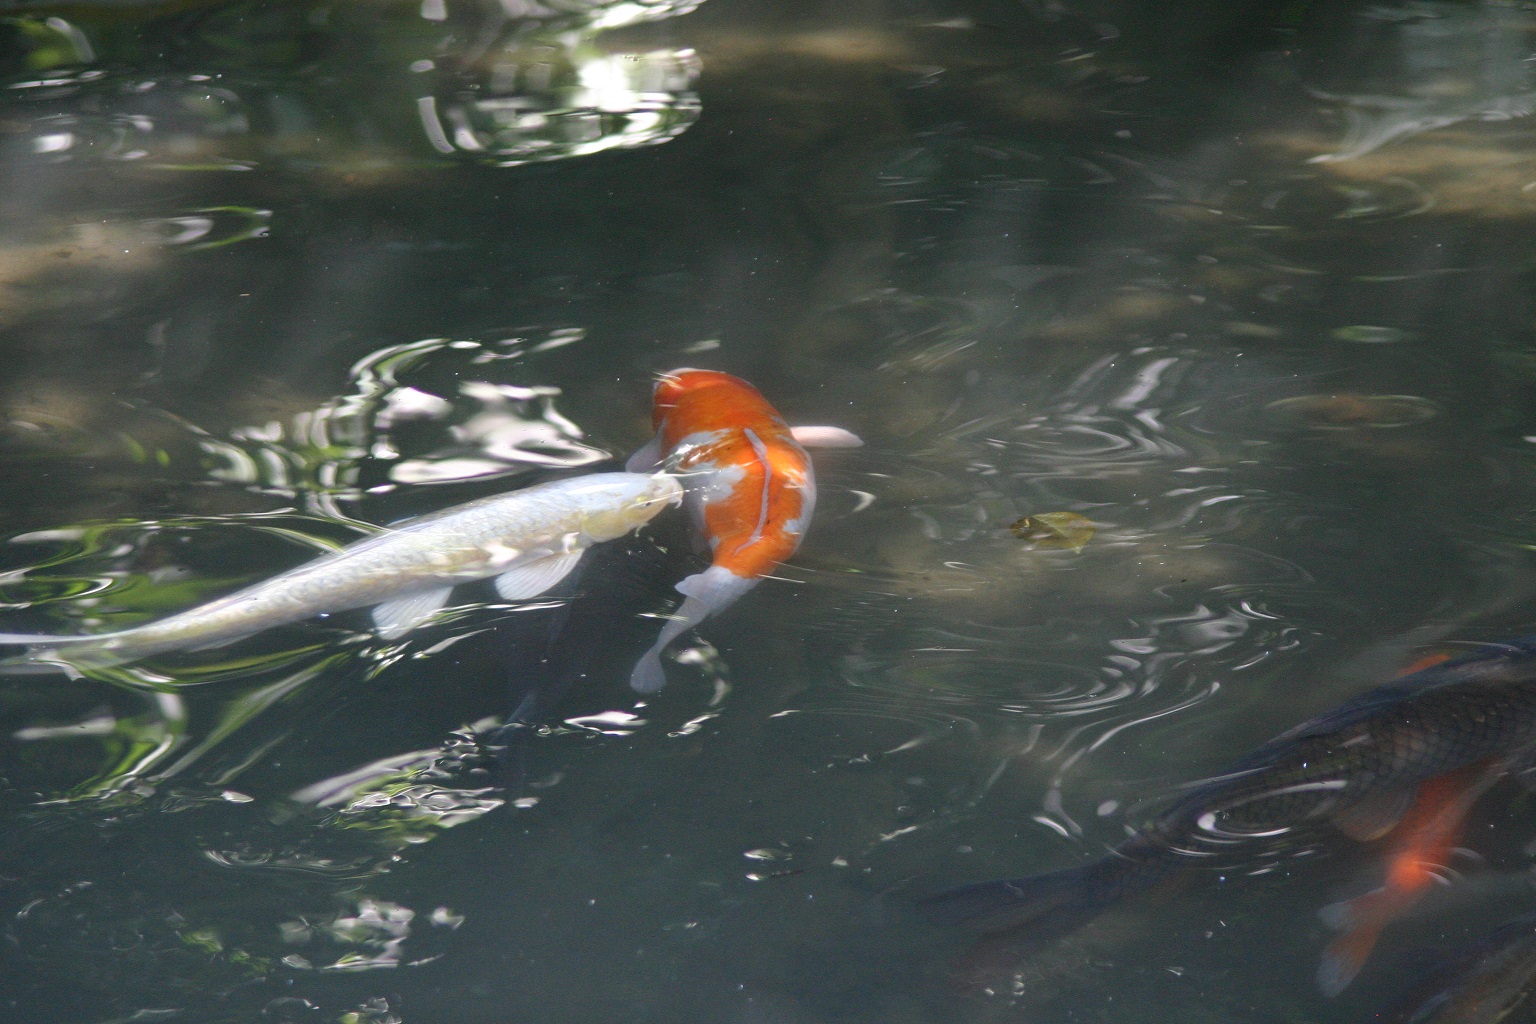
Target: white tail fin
{"x":50,"y":652}
{"x":67,"y":654}
{"x":708,"y":593}
{"x":47,"y":640}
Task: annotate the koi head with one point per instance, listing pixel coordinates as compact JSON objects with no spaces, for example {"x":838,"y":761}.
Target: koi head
{"x":675,"y":385}
{"x":636,"y":504}
{"x":695,"y":400}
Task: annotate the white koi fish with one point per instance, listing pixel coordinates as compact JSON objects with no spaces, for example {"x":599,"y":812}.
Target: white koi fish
{"x":528,"y":540}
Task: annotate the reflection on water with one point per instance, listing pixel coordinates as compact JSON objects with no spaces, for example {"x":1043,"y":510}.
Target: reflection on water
{"x":1448,"y":63}
{"x":323,"y":455}
{"x":553,"y":95}
{"x":485,"y":82}
{"x":1244,"y":286}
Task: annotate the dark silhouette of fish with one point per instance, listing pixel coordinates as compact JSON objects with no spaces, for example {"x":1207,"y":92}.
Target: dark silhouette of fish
{"x":606,"y":611}
{"x":601,"y":616}
{"x":1487,"y":983}
{"x":1360,"y":767}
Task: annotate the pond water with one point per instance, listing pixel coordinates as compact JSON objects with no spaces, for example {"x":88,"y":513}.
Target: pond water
{"x":1247,"y":285}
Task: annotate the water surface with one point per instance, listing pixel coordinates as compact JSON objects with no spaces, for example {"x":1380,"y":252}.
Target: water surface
{"x":1247,"y":287}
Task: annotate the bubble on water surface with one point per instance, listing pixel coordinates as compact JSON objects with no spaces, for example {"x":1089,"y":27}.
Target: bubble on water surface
{"x":609,"y":723}
{"x":767,"y":853}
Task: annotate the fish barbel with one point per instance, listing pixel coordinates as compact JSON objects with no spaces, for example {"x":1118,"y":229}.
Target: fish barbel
{"x":1359,"y":767}
{"x":527,"y":539}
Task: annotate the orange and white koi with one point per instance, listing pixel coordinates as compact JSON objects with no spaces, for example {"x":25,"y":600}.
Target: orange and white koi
{"x":749,"y":485}
{"x":1421,"y":846}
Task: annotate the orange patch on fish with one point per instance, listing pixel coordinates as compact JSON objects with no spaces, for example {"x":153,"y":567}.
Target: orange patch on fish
{"x":748,"y":482}
{"x":760,"y":520}
{"x":1429,"y":660}
{"x":1420,"y":848}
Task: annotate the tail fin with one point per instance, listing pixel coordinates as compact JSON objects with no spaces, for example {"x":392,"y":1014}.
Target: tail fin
{"x":1057,"y":902}
{"x":708,"y":592}
{"x":44,"y":639}
{"x":1361,"y":921}
{"x":46,"y":653}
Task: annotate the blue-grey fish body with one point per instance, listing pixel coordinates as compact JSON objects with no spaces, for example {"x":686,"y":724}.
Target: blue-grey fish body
{"x":1493,"y":980}
{"x":1357,"y":766}
{"x":527,"y":539}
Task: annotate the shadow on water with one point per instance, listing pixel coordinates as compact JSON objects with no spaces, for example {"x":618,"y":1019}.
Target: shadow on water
{"x":1244,"y":285}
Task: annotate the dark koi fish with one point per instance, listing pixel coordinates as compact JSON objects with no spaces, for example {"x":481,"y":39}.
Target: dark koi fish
{"x":1421,"y":845}
{"x":1491,"y":981}
{"x":1432,"y":741}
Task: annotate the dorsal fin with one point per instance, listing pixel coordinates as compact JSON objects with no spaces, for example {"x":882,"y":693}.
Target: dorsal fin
{"x":1373,"y":816}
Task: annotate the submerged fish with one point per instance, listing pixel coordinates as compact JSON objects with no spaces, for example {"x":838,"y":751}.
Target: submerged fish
{"x":750,"y":487}
{"x":1360,"y":766}
{"x":1421,"y":845}
{"x":1489,"y":983}
{"x":528,"y":540}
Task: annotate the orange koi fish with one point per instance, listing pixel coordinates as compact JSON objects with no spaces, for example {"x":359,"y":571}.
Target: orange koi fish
{"x":1422,"y":844}
{"x":749,"y":485}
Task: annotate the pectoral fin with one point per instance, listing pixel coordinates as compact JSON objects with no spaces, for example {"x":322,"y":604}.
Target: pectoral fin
{"x":1374,"y":816}
{"x":1521,"y":765}
{"x":532,"y":578}
{"x":824,"y":437}
{"x":396,"y":618}
{"x":647,"y":458}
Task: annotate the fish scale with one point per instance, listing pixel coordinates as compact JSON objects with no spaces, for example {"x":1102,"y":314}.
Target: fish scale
{"x":1386,"y":741}
{"x":528,"y":538}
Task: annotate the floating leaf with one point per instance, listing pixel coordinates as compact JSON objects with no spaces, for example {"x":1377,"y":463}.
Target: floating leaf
{"x":1055,"y":530}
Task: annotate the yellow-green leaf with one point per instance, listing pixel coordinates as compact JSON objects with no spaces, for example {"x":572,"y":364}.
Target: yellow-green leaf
{"x":1055,"y":530}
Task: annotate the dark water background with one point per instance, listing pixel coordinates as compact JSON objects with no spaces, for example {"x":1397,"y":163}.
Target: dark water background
{"x":1247,"y":284}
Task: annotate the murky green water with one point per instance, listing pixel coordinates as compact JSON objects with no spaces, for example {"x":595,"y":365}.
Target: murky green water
{"x":1249,"y":286}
